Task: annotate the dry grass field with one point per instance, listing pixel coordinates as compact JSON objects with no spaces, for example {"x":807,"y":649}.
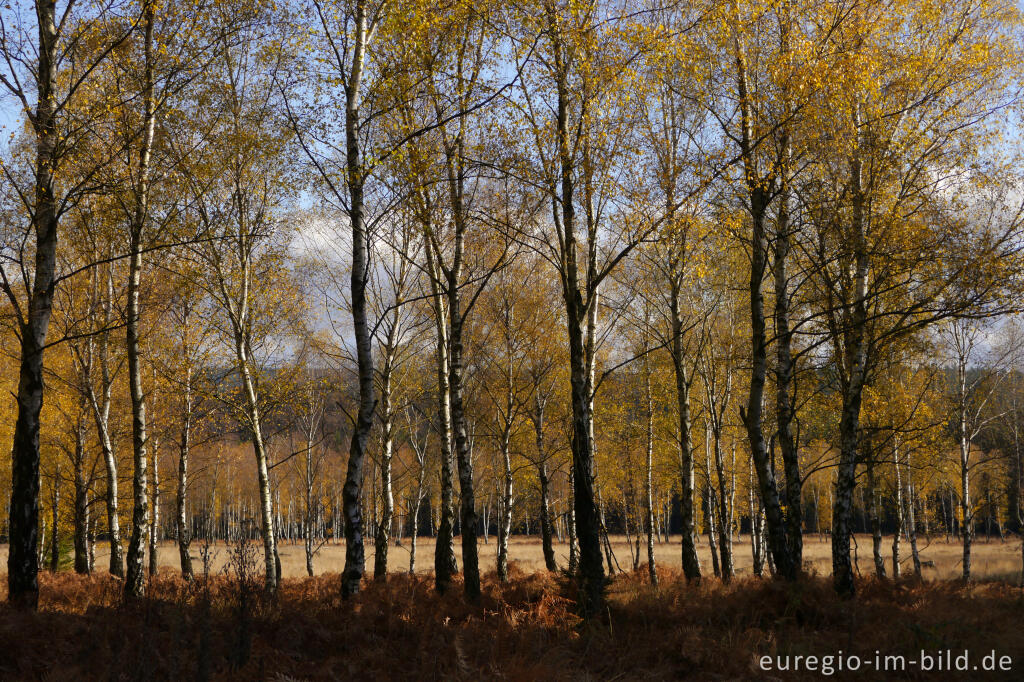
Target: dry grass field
{"x":525,"y":629}
{"x":992,"y":559}
{"x":222,"y":627}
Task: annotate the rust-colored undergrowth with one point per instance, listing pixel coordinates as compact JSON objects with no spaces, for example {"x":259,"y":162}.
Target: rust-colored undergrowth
{"x":526,"y":629}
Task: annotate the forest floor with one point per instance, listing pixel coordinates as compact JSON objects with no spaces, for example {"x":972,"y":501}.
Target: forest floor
{"x":992,"y":559}
{"x":526,"y":629}
{"x":222,"y":627}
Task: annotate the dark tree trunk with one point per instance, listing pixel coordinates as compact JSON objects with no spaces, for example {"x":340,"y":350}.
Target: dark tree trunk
{"x":468,"y":517}
{"x":55,"y":522}
{"x":759,"y":197}
{"x":81,"y":512}
{"x":444,"y":549}
{"x":22,"y":557}
{"x":591,"y":575}
{"x":546,"y":531}
{"x":785,"y":387}
{"x":876,"y":526}
{"x":710,"y":521}
{"x":154,"y":527}
{"x":854,"y":364}
{"x":691,"y":566}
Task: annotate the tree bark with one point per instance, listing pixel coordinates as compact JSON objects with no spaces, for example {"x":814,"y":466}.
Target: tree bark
{"x":135,"y":585}
{"x":591,"y":576}
{"x":912,"y":527}
{"x":876,"y":527}
{"x":785,"y":383}
{"x":468,"y":517}
{"x":505,"y":522}
{"x":966,"y":509}
{"x":691,"y":566}
{"x":574,"y":549}
{"x":100,"y":406}
{"x":785,"y":379}
{"x":444,"y":550}
{"x":898,"y":494}
{"x":854,"y":365}
{"x":183,"y":532}
{"x":546,"y":530}
{"x":649,"y":482}
{"x":354,"y":551}
{"x":154,"y":527}
{"x":383,"y":536}
{"x":759,"y":198}
{"x":710,"y":505}
{"x":724,"y":512}
{"x":416,"y":518}
{"x":267,"y":526}
{"x":55,"y":522}
{"x":81,"y":501}
{"x":757,"y":557}
{"x":22,"y":557}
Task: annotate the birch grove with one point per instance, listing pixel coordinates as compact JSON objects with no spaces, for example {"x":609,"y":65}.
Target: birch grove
{"x":614,"y":276}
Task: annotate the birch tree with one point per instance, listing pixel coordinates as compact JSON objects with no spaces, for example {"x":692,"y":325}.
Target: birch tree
{"x":48,"y":84}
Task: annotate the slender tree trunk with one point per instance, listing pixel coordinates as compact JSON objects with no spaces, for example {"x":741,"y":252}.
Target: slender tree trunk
{"x":308,"y":533}
{"x":912,"y":527}
{"x":267,"y":525}
{"x":785,"y":380}
{"x":546,"y":530}
{"x":691,"y":566}
{"x":755,"y":514}
{"x":42,"y":541}
{"x":784,"y":387}
{"x":625,"y":527}
{"x":591,"y":576}
{"x":135,"y":579}
{"x":113,"y":516}
{"x":505,"y":522}
{"x":444,"y":549}
{"x":724,"y":513}
{"x":55,"y":522}
{"x":468,"y":517}
{"x":101,"y":416}
{"x":81,"y":511}
{"x":574,"y":550}
{"x":154,"y":527}
{"x":22,"y":557}
{"x":354,"y":551}
{"x":183,"y":533}
{"x":854,"y":364}
{"x":380,"y":562}
{"x":603,"y":527}
{"x":92,"y":541}
{"x":710,"y":504}
{"x":967,"y":512}
{"x":416,"y":519}
{"x":649,"y":482}
{"x":759,"y":197}
{"x":876,"y":526}
{"x":898,"y":493}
